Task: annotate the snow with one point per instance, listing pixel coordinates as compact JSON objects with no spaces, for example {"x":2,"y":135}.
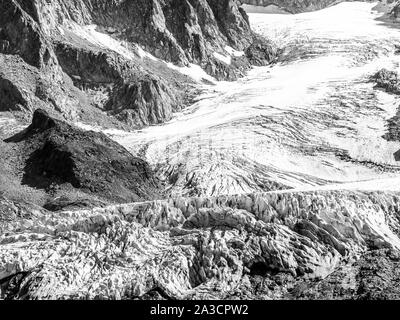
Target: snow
{"x":234,"y":52}
{"x":90,"y":33}
{"x":100,"y":39}
{"x":227,"y":59}
{"x":193,"y":71}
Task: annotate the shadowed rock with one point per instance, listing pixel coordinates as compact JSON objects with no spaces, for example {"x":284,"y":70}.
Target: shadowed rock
{"x":90,"y":161}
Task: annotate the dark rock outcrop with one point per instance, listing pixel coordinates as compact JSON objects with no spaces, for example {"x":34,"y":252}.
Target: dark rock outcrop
{"x":387,"y":80}
{"x":142,"y":102}
{"x":132,"y":93}
{"x":58,"y":154}
{"x":260,"y":51}
{"x":179,"y":31}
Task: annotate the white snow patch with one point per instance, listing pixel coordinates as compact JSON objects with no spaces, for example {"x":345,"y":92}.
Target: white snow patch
{"x":224,"y":59}
{"x":103,"y":40}
{"x":194,"y":71}
{"x":61,"y":30}
{"x":144,"y":54}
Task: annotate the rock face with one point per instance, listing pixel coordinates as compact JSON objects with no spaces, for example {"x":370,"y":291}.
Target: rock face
{"x":91,"y":59}
{"x":215,"y":248}
{"x":59,"y":154}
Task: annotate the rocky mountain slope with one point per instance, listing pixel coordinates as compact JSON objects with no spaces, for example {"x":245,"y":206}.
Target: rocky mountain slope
{"x":88,"y":60}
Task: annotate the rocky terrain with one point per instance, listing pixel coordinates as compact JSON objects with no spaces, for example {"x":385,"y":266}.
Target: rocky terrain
{"x":88,"y":60}
{"x":58,"y":156}
{"x":183,"y":149}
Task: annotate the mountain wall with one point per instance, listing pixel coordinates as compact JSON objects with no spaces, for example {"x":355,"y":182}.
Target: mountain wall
{"x":106,"y":62}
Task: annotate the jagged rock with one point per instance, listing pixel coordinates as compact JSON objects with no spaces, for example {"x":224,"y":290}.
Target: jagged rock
{"x":373,"y":277}
{"x":180,"y":31}
{"x":59,"y":153}
{"x":24,"y":88}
